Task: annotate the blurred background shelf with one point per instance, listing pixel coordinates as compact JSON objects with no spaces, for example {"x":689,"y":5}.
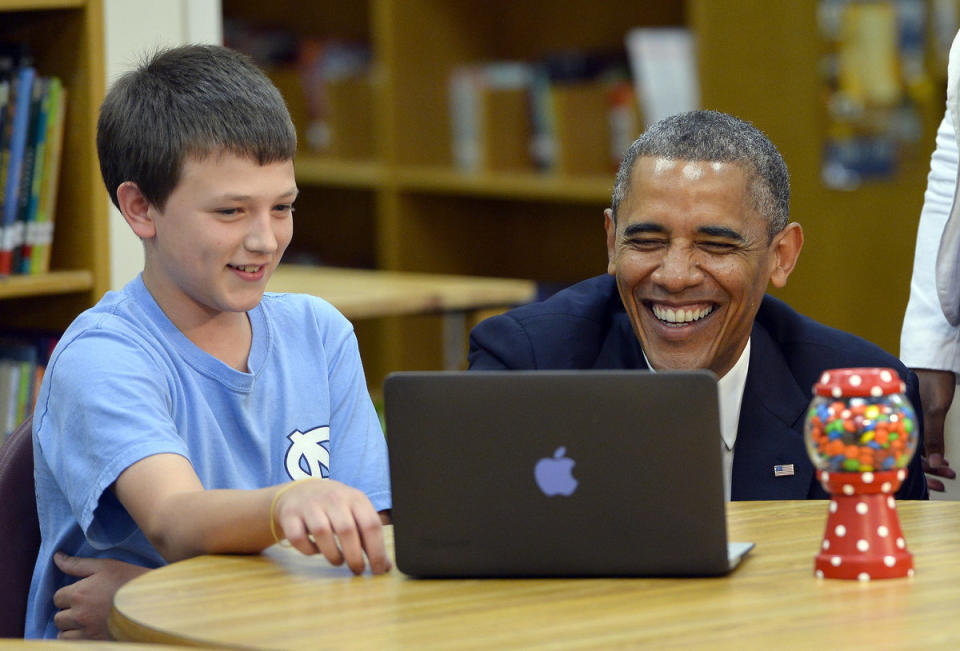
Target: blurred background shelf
{"x":326,"y":171}
{"x":407,"y":207}
{"x":54,"y":282}
{"x":532,"y":186}
{"x":24,"y":5}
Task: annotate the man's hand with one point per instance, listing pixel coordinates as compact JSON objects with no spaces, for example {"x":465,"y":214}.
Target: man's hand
{"x":325,"y":516}
{"x":84,"y":606}
{"x":936,"y":395}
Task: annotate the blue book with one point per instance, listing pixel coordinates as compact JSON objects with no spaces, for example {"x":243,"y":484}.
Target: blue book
{"x":30,"y":174}
{"x":18,"y":362}
{"x":19,"y":125}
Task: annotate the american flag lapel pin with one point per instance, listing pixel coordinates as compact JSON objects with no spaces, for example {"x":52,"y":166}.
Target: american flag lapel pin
{"x":783,"y":470}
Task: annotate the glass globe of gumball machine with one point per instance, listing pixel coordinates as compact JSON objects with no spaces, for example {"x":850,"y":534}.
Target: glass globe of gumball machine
{"x":861,"y":433}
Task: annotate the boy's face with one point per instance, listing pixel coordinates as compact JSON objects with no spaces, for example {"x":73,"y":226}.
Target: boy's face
{"x":219,"y":237}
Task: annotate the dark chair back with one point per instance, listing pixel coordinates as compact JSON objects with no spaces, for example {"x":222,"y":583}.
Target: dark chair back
{"x":19,"y":528}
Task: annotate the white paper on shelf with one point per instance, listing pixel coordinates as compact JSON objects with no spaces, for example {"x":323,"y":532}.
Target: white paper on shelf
{"x":663,"y":63}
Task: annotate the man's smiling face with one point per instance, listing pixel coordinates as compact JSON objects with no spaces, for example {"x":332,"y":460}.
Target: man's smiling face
{"x":692,"y":258}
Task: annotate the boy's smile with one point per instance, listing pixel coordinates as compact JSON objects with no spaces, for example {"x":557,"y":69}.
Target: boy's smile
{"x":219,"y":237}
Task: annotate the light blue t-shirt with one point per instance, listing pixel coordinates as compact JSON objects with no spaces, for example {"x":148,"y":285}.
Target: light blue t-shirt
{"x":124,"y":383}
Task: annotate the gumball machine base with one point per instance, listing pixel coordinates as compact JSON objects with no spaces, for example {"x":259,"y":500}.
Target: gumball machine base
{"x":863,"y":539}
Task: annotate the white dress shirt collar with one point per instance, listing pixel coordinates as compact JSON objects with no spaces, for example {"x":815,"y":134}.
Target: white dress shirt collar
{"x":730,"y":396}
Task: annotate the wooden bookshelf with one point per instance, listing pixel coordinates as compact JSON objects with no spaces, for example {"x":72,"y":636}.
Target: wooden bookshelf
{"x":66,"y":39}
{"x":55,"y":282}
{"x":320,"y":170}
{"x":409,"y":209}
{"x":534,"y":186}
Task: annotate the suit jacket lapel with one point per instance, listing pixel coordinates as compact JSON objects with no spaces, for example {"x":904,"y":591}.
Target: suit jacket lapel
{"x":620,"y":348}
{"x":770,"y":432}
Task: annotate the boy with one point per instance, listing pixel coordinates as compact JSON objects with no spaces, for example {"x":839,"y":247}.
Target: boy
{"x":175,"y":412}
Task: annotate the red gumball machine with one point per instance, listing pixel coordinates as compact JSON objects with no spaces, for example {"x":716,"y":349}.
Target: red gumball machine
{"x":861,"y":432}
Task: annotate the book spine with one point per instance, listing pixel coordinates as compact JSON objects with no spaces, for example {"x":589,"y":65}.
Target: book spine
{"x":42,"y":237}
{"x":18,"y":141}
{"x":623,"y":123}
{"x":7,"y":370}
{"x":32,"y":159}
{"x":465,"y":119}
{"x":543,"y":144}
{"x":4,"y":110}
{"x":24,"y":390}
{"x":23,"y":359}
{"x":6,"y":120}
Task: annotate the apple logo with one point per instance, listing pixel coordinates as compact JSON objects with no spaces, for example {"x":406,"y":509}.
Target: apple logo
{"x":554,"y":474}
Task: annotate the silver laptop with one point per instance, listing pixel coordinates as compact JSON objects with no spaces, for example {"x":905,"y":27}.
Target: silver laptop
{"x":557,"y":473}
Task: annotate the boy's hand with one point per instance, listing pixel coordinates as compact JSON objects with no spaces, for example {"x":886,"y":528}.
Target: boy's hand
{"x":84,"y":606}
{"x":340,"y":520}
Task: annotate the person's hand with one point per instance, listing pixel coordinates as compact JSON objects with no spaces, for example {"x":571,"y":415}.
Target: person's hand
{"x":84,"y":606}
{"x":327,"y":517}
{"x":936,"y":395}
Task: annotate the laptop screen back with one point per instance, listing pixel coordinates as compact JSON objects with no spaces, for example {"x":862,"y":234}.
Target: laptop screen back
{"x":556,"y":473}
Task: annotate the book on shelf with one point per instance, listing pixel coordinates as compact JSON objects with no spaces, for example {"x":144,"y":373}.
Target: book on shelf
{"x":38,"y":236}
{"x":624,"y":120}
{"x":327,"y":83}
{"x":12,"y":55}
{"x":566,"y":113}
{"x":569,"y":104}
{"x":336,"y":83}
{"x":489,"y":116}
{"x":31,"y":143}
{"x":16,"y":127}
{"x":4,"y":100}
{"x":663,"y":63}
{"x":36,"y":133}
{"x":23,"y":359}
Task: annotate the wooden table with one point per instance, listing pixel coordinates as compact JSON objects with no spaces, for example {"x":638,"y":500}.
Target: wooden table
{"x":281,"y":599}
{"x":462,"y":301}
{"x":368,"y":293}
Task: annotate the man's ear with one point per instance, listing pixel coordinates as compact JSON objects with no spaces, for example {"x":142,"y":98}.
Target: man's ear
{"x":136,"y":210}
{"x":786,"y":249}
{"x":611,"y":227}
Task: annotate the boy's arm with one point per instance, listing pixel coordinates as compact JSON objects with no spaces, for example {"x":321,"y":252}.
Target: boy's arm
{"x":84,"y":606}
{"x":181,"y":519}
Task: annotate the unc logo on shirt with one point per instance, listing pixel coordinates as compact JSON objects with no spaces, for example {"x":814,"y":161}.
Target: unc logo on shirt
{"x":309,"y":453}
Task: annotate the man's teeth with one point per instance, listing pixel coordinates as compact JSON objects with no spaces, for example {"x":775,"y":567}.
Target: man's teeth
{"x":680,"y":315}
{"x":249,"y":268}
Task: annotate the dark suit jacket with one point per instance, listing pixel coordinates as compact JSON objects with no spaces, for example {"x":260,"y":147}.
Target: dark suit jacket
{"x":586,"y":327}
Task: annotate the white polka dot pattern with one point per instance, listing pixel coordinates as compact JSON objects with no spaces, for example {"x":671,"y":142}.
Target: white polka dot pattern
{"x":862,"y":539}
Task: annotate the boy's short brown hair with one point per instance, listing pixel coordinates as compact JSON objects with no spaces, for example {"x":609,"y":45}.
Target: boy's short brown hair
{"x":192,"y":100}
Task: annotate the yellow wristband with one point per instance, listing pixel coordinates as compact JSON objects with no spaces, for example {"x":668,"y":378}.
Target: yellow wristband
{"x":273,"y":505}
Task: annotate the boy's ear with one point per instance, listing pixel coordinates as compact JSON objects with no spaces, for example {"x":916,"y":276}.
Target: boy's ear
{"x":136,"y":210}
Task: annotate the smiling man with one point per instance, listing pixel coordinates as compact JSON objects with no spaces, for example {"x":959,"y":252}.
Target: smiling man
{"x":697,"y":229}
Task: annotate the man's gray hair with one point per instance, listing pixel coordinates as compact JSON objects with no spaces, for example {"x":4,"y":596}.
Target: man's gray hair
{"x":715,"y":136}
